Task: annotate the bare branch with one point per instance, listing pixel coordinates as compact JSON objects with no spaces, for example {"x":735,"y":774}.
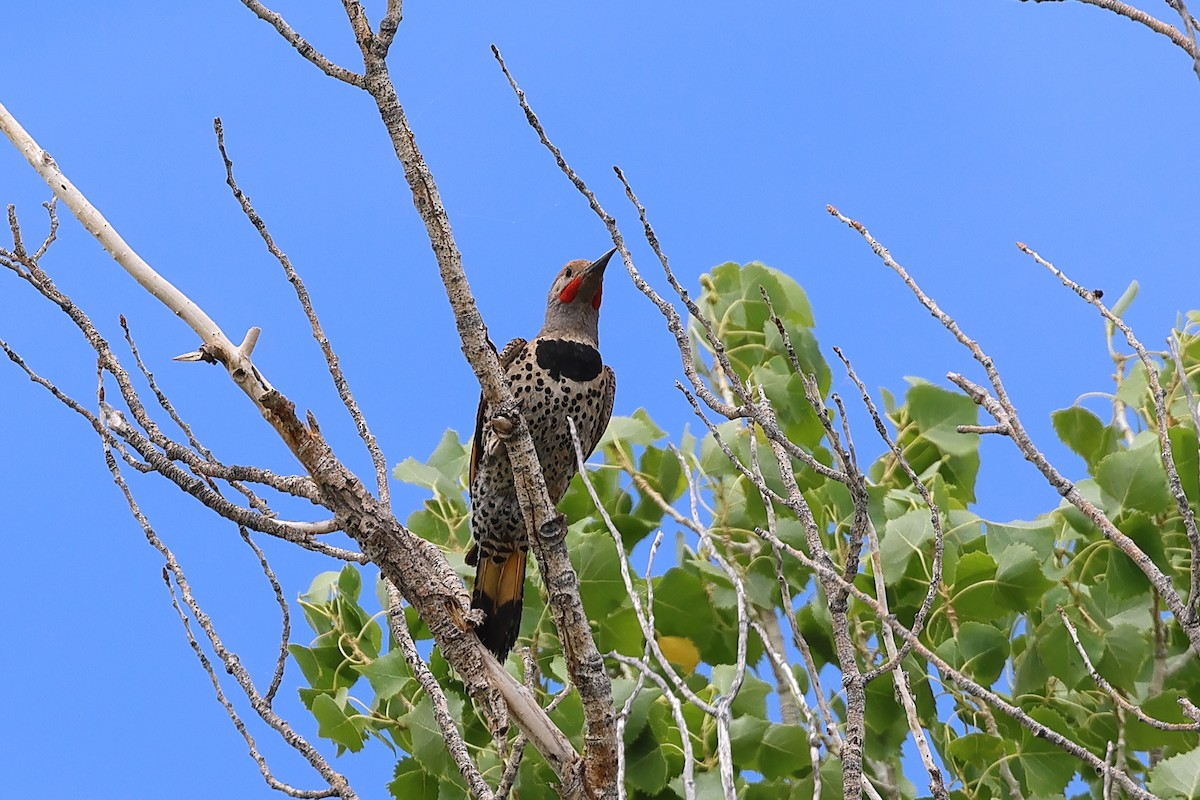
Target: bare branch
{"x":1117,"y":698}
{"x":1157,"y":396}
{"x":331,"y":359}
{"x":338,"y":786}
{"x":306,"y":50}
{"x":455,"y":746}
{"x":1005,"y":413}
{"x":388,"y":26}
{"x":545,"y":527}
{"x":215,"y":343}
{"x":1185,"y":42}
{"x":935,"y":519}
{"x":961,"y":679}
{"x":689,"y":757}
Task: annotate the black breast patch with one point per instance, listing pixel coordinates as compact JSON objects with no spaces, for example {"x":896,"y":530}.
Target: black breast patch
{"x":559,"y":357}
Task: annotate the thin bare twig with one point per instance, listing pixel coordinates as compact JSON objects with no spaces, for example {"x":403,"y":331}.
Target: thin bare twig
{"x":306,"y":50}
{"x":331,"y":359}
{"x":935,"y":518}
{"x":1157,"y":396}
{"x":1117,"y":698}
{"x":1183,"y":41}
{"x":338,"y":785}
{"x":455,"y":746}
{"x":285,"y":626}
{"x":960,"y":678}
{"x":1005,"y":413}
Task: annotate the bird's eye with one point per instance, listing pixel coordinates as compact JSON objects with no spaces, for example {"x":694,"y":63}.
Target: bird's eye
{"x":567,"y":272}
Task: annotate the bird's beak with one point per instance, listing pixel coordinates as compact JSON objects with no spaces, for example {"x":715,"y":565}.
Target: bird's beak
{"x":591,"y":279}
{"x":600,"y":263}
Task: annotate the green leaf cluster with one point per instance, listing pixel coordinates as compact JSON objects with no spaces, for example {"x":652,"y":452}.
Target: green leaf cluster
{"x":994,"y":616}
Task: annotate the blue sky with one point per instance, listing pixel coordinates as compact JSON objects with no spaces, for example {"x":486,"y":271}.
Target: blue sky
{"x":950,"y":129}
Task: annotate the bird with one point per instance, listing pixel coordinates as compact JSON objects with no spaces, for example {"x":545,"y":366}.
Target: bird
{"x":555,"y":375}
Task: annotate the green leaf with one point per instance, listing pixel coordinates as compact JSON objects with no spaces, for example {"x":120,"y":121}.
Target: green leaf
{"x":1048,"y":768}
{"x":938,"y":412}
{"x":1178,"y":776}
{"x":708,"y":787}
{"x":638,"y":429}
{"x":645,"y":764}
{"x":681,"y":608}
{"x":1134,"y":388}
{"x":1135,"y":478}
{"x":428,"y":746}
{"x":1125,"y":300}
{"x":595,"y":559}
{"x":1187,"y":460}
{"x":1084,"y":433}
{"x":388,"y":674}
{"x":322,"y":589}
{"x":1039,"y":534}
{"x":1019,"y":578}
{"x":335,"y":724}
{"x":410,"y":782}
{"x":974,"y":595}
{"x":979,"y":749}
{"x":324,"y":667}
{"x":349,"y":583}
{"x":443,"y":472}
{"x":1126,"y":651}
{"x":620,"y":630}
{"x":1059,"y":653}
{"x":536,"y":781}
{"x":639,"y":712}
{"x":980,"y":650}
{"x":752,"y":697}
{"x":784,"y":751}
{"x":902,"y":538}
{"x":745,"y":738}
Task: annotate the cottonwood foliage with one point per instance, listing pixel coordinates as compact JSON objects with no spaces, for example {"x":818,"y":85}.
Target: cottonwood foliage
{"x":997,"y":615}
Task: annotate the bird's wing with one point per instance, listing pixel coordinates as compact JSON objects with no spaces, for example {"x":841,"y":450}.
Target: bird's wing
{"x":507,"y":356}
{"x":606,"y":407}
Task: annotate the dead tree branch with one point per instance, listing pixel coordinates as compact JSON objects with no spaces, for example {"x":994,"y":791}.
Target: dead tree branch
{"x":1004,"y":412}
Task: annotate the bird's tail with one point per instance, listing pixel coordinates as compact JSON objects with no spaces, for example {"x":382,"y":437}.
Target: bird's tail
{"x":499,"y":589}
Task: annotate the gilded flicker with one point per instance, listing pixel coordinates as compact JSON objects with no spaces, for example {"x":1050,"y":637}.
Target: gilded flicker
{"x":555,"y":375}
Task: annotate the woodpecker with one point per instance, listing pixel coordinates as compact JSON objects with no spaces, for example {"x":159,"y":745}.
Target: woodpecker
{"x":555,"y":375}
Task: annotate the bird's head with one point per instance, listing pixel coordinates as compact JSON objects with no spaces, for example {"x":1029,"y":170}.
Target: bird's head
{"x":573,"y":305}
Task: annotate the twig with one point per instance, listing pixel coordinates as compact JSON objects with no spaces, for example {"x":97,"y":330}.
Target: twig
{"x":285,"y":626}
{"x":306,"y":50}
{"x":331,"y":360}
{"x":234,"y":717}
{"x":256,"y":502}
{"x":1157,"y":395}
{"x":337,"y":782}
{"x":1182,"y":41}
{"x":960,"y":678}
{"x":415,"y":566}
{"x":1189,"y":29}
{"x":935,"y":519}
{"x":1117,"y":698}
{"x":640,"y":613}
{"x":1005,"y":413}
{"x":455,"y":746}
{"x":937,"y":782}
{"x":546,"y":530}
{"x":1001,"y":430}
{"x":216,"y":345}
{"x":689,"y":756}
